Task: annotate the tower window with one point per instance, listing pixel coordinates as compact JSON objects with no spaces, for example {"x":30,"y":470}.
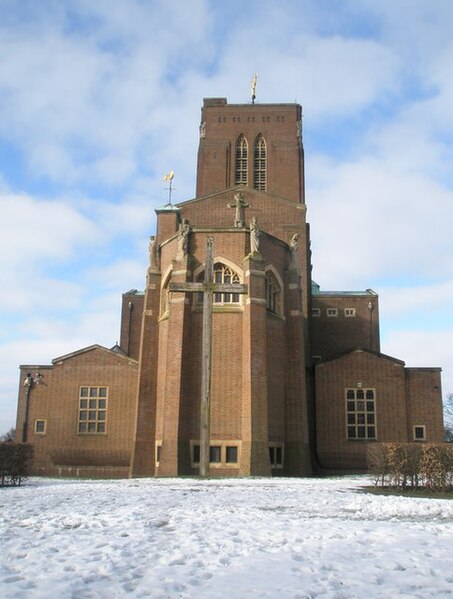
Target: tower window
{"x":259,"y":164}
{"x":240,"y":172}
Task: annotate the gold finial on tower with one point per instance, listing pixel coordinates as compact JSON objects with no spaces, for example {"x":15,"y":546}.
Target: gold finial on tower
{"x":169,"y":177}
{"x":253,"y":87}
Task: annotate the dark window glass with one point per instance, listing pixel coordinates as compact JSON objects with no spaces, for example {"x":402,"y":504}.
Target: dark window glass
{"x":351,"y":406}
{"x":101,"y":427}
{"x":231,"y":455}
{"x":351,"y":418}
{"x":370,"y":406}
{"x":370,"y":394}
{"x":84,"y":392}
{"x":214,"y":454}
{"x":371,"y":432}
{"x":83,"y":403}
{"x":82,"y":427}
{"x":360,"y":394}
{"x":360,"y":406}
{"x":196,"y":454}
{"x":361,"y":432}
{"x":93,"y":392}
{"x":102,"y":391}
{"x":370,"y":418}
{"x":101,"y":404}
{"x":360,"y":418}
{"x":351,"y":432}
{"x":350,"y":394}
{"x":279,"y":456}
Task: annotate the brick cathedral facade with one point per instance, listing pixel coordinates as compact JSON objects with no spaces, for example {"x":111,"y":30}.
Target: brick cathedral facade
{"x":299,"y":382}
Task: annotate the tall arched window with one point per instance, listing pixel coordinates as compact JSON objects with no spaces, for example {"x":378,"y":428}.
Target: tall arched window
{"x":272,"y":289}
{"x":240,"y":170}
{"x":259,"y":164}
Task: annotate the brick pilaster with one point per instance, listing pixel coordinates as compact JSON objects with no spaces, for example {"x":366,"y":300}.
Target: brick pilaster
{"x":255,"y":448}
{"x":174,"y":456}
{"x":143,"y":455}
{"x":297,"y":451}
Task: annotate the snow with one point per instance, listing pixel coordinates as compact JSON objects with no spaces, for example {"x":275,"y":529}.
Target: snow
{"x":221,"y":538}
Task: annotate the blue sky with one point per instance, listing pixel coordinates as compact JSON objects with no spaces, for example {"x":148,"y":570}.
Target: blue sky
{"x":99,"y":99}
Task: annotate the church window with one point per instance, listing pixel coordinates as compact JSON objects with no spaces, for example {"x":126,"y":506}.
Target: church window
{"x":419,"y":433}
{"x":92,"y":410}
{"x":240,"y":174}
{"x":349,"y":312}
{"x":40,"y":427}
{"x":259,"y":164}
{"x":272,"y":290}
{"x":361,"y":414}
{"x":316,"y":312}
{"x":222,"y":274}
{"x":276,"y":455}
{"x":332,"y":312}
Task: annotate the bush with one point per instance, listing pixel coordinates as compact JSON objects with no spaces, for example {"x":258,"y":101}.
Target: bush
{"x":15,"y":459}
{"x":411,"y":465}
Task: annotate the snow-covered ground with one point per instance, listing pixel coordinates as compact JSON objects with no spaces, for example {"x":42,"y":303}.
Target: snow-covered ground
{"x":235,"y":539}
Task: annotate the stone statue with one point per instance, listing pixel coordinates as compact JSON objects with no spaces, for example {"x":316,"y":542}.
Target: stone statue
{"x":239,"y":205}
{"x":183,"y":237}
{"x":294,"y":247}
{"x":202,"y":130}
{"x":152,"y":253}
{"x":255,"y":235}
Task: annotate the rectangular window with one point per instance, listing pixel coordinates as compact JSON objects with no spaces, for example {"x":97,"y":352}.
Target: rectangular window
{"x":316,"y":312}
{"x":360,"y":414}
{"x":40,"y":427}
{"x":332,"y":312}
{"x":231,"y":455}
{"x":222,"y":454}
{"x":349,"y":312}
{"x":158,"y":451}
{"x":276,"y":455}
{"x":92,"y":410}
{"x":419,"y":432}
{"x":215,"y":454}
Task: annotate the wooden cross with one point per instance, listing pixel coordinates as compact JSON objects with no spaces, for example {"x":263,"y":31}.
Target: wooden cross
{"x":207,"y":288}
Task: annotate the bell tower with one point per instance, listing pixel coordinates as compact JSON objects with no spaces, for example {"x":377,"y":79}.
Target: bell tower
{"x":255,"y":145}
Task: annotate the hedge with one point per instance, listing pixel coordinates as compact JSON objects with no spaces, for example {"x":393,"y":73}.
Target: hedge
{"x":411,"y":465}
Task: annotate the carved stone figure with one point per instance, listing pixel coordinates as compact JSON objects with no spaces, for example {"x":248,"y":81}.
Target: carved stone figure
{"x":240,"y":205}
{"x":255,"y":235}
{"x":152,"y":253}
{"x":183,"y":237}
{"x":294,"y":247}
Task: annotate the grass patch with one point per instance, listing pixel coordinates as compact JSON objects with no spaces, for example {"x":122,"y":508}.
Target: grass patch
{"x":417,"y":493}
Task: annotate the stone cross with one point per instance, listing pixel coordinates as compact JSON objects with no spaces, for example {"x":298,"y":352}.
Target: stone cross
{"x":240,"y":205}
{"x":207,"y":288}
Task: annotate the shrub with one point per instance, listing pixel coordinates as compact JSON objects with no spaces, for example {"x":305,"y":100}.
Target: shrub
{"x":410,"y":465}
{"x":15,"y":459}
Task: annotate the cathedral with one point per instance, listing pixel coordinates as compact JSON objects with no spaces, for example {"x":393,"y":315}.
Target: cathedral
{"x":232,"y":361}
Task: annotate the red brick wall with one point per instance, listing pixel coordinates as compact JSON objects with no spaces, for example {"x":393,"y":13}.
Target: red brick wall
{"x":331,"y":336}
{"x":386,"y":376}
{"x":223,"y":123}
{"x":56,"y":400}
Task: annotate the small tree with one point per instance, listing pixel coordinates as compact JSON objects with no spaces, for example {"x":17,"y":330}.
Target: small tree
{"x":9,"y":436}
{"x":448,"y":417}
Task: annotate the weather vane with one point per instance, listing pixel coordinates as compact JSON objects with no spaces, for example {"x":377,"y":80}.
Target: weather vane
{"x":169,"y":177}
{"x":253,"y":87}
